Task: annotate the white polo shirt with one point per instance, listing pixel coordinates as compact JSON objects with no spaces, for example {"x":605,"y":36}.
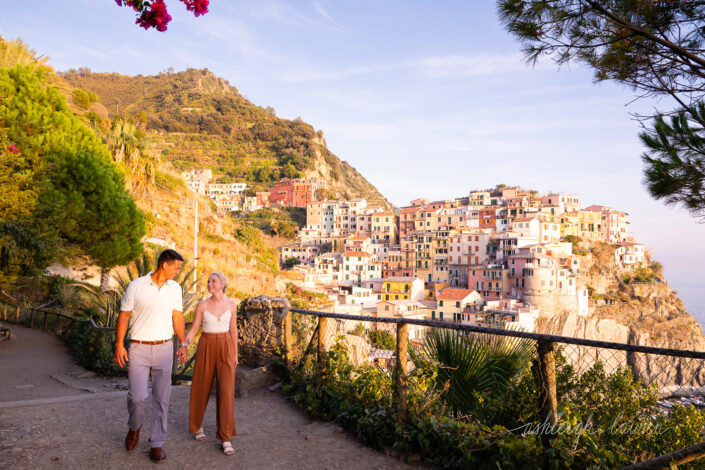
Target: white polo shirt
{"x":152,"y":308}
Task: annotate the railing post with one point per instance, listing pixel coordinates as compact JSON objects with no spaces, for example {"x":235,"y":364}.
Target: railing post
{"x":17,"y":315}
{"x":288,"y":339}
{"x":31,"y":318}
{"x":58,"y":325}
{"x":46,"y":322}
{"x":400,"y":371}
{"x":4,"y":312}
{"x":548,"y":399}
{"x":321,"y":349}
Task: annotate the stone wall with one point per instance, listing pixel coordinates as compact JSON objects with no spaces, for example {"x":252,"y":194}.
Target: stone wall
{"x":260,"y":324}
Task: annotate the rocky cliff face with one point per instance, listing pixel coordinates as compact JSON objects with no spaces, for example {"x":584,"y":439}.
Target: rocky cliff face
{"x":642,"y":313}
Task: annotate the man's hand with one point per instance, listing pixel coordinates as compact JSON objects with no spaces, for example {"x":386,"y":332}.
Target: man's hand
{"x":182,"y":354}
{"x":120,"y":355}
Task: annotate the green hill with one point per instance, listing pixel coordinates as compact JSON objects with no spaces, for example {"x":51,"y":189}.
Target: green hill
{"x":198,"y":120}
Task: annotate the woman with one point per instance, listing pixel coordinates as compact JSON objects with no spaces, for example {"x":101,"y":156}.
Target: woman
{"x":217,"y":353}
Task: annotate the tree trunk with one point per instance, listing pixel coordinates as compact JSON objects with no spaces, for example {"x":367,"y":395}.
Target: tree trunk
{"x":104,"y":279}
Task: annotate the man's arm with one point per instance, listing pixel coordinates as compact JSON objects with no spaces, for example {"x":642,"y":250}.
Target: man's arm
{"x":123,"y":322}
{"x":179,"y":329}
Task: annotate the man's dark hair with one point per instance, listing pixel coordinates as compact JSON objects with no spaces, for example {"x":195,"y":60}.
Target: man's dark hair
{"x":167,"y":256}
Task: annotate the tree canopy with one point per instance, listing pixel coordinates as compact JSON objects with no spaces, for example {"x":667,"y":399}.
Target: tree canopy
{"x":61,"y":192}
{"x":653,"y":47}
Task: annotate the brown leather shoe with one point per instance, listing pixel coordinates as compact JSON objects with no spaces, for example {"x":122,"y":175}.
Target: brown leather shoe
{"x":132,"y":438}
{"x":157,"y":455}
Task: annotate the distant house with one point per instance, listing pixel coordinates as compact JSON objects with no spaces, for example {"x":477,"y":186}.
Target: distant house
{"x":451,"y":303}
{"x":630,"y":255}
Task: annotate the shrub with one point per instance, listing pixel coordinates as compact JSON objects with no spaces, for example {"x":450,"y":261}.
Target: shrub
{"x":93,"y":349}
{"x":383,"y":340}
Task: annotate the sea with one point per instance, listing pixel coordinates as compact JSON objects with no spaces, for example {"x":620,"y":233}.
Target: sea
{"x":693,"y":296}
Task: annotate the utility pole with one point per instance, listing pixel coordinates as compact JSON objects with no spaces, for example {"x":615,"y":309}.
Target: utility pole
{"x":195,"y":245}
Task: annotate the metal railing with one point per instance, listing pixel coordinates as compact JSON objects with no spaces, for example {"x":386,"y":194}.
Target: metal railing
{"x":49,"y":321}
{"x":58,"y":323}
{"x":676,"y":373}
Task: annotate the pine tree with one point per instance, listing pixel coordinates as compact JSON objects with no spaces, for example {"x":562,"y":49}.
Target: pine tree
{"x":73,"y":196}
{"x":653,"y":47}
{"x":675,"y":159}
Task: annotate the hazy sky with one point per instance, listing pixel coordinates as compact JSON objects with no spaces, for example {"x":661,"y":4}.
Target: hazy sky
{"x":425,"y":99}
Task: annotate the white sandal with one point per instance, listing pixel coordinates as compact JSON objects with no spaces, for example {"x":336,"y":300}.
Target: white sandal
{"x":228,"y":448}
{"x":199,"y":435}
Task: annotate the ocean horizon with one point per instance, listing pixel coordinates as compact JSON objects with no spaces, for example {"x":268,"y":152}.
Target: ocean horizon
{"x":693,"y":296}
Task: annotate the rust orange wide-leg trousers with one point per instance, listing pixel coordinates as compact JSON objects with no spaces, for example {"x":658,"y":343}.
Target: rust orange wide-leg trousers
{"x":215,"y":356}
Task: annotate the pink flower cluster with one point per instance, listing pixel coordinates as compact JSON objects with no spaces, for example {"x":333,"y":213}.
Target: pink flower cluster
{"x":13,"y":149}
{"x":198,"y":7}
{"x":153,"y":14}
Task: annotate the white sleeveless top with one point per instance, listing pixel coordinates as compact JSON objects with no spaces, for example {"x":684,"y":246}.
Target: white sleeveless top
{"x":213,"y":324}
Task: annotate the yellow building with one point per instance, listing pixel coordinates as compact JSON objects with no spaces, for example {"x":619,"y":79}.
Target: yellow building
{"x":424,"y":247}
{"x":570,"y":224}
{"x":384,"y":228}
{"x":591,"y":225}
{"x":402,"y":288}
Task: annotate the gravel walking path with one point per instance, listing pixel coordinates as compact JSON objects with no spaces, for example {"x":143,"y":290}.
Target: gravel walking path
{"x":78,"y":421}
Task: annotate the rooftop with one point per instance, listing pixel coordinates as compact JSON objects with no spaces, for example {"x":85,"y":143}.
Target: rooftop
{"x":454,"y":294}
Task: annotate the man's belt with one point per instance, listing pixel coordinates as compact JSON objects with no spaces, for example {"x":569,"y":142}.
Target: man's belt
{"x":150,"y":342}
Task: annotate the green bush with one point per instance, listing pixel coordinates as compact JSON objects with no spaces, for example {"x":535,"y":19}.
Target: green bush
{"x":93,"y":349}
{"x":383,"y":340}
{"x":82,"y":99}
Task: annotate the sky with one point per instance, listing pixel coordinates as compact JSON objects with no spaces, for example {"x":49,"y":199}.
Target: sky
{"x":424,"y":99}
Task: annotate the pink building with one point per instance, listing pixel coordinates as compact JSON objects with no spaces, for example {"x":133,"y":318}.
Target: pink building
{"x":491,"y":281}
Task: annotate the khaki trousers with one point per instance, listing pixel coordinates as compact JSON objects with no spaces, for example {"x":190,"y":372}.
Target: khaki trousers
{"x":215,"y":356}
{"x":145,"y":360}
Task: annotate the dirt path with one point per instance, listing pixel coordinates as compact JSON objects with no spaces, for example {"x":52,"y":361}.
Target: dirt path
{"x":80,"y":422}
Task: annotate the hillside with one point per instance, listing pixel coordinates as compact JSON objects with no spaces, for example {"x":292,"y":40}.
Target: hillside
{"x":198,"y":120}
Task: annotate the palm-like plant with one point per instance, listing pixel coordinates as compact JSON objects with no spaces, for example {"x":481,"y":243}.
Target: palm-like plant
{"x":129,"y":147}
{"x":147,"y":263}
{"x":468,"y":364}
{"x":14,"y":53}
{"x":105,"y":302}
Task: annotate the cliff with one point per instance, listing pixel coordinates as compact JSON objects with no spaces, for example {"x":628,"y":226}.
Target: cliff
{"x":624,"y":310}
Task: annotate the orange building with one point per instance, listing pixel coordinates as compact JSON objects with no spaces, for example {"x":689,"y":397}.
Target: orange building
{"x":297,"y":192}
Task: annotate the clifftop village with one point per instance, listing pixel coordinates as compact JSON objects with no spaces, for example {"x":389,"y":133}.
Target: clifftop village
{"x":494,"y":256}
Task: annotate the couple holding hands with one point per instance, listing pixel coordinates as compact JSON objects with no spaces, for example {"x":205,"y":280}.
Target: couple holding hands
{"x":152,"y":306}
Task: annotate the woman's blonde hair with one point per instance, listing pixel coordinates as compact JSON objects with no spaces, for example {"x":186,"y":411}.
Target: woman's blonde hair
{"x":222,"y":277}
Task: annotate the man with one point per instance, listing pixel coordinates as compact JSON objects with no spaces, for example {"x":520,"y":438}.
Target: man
{"x":154,"y":302}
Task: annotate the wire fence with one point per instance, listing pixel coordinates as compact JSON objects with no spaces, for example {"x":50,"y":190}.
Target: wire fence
{"x":372,"y":340}
{"x":385,"y":342}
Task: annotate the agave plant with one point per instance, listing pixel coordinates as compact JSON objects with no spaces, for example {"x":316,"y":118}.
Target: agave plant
{"x":470,"y":364}
{"x":105,"y":302}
